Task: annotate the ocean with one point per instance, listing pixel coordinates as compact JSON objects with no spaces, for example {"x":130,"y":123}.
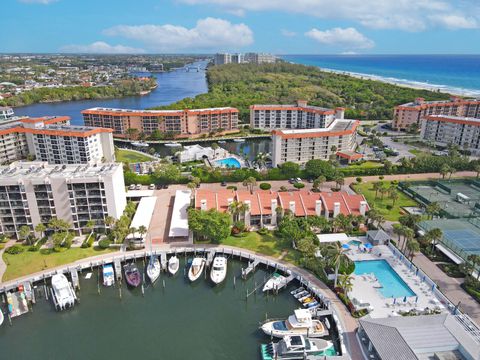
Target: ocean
{"x":458,"y":74}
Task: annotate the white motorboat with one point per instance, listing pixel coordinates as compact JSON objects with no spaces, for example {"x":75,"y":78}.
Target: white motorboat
{"x":239,"y":140}
{"x":153,"y":269}
{"x":296,"y":347}
{"x":219,"y":269}
{"x":62,"y":292}
{"x":196,"y":268}
{"x":1,"y":317}
{"x":300,"y":323}
{"x":173,"y":144}
{"x":140,"y":144}
{"x":108,"y":275}
{"x":276,"y":282}
{"x":173,"y":264}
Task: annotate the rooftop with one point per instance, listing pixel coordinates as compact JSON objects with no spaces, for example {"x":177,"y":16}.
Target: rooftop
{"x":338,"y":127}
{"x":42,"y":170}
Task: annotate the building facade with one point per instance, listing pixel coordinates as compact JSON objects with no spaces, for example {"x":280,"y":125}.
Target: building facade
{"x":296,"y":116}
{"x":222,"y":58}
{"x":260,"y":58}
{"x":6,"y":113}
{"x":452,"y":130}
{"x":54,"y":140}
{"x":180,"y":123}
{"x":265,"y":208}
{"x":34,"y":192}
{"x":302,"y":145}
{"x":411,"y":113}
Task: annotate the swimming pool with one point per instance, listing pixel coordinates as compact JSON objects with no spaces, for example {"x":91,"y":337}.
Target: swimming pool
{"x":392,"y":284}
{"x":229,"y":162}
{"x":355,"y":242}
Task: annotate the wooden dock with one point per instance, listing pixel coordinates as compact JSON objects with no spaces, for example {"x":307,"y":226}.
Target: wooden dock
{"x":210,"y":256}
{"x":117,"y":264}
{"x":163,"y":261}
{"x":75,"y":278}
{"x":250,"y":268}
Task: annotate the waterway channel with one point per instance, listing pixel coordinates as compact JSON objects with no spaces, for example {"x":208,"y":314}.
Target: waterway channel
{"x":181,"y":321}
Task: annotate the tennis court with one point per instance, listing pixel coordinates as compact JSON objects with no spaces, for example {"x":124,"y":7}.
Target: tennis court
{"x":460,"y":235}
{"x":457,"y":198}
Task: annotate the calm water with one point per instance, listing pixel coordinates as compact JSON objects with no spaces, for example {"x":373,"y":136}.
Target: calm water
{"x":172,"y":86}
{"x":392,"y":284}
{"x":182,"y":321}
{"x":457,"y":73}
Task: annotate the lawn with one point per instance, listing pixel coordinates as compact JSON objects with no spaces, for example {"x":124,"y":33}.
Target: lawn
{"x":268,"y":244}
{"x":365,"y":165}
{"x":30,"y":262}
{"x":381,"y":205}
{"x":128,"y":156}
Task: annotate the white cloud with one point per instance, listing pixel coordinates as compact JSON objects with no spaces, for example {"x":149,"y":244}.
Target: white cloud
{"x":409,"y":15}
{"x":288,"y":33}
{"x":43,"y":2}
{"x":208,"y":34}
{"x":348,"y":38}
{"x":100,"y":47}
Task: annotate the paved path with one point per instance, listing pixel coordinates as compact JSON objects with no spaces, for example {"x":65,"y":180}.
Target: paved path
{"x":348,"y":323}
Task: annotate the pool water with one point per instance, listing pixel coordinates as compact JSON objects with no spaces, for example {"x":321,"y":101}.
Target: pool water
{"x":229,"y":162}
{"x":354,"y":243}
{"x":392,"y":284}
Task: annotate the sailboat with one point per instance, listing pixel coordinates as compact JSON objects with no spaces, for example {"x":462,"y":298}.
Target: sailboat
{"x":173,"y":264}
{"x":153,"y":269}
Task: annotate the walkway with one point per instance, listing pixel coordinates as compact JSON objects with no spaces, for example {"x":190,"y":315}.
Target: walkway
{"x":348,"y":323}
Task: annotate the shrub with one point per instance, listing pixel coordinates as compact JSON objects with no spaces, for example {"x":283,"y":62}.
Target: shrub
{"x":389,"y":207}
{"x":283,"y":189}
{"x":299,"y":185}
{"x":263,"y":231}
{"x":67,"y":244}
{"x":14,"y":250}
{"x":34,"y":248}
{"x":232,"y":187}
{"x":88,"y":242}
{"x":104,"y":244}
{"x":265,"y":186}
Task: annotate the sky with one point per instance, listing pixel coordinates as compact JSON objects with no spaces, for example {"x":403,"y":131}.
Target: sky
{"x":208,"y":26}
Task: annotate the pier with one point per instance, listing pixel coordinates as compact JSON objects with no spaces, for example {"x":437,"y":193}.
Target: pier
{"x":75,"y":279}
{"x":163,"y":261}
{"x":117,"y":264}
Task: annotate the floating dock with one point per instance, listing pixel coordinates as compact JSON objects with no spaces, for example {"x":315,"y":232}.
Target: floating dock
{"x":117,"y":264}
{"x":17,"y":303}
{"x":250,"y":268}
{"x":163,"y":261}
{"x":75,"y":279}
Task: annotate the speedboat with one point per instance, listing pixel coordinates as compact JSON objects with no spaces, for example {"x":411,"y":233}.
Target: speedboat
{"x":173,"y":144}
{"x":173,"y":265}
{"x":108,"y":275}
{"x":153,"y":269}
{"x":219,"y":269}
{"x":300,"y":323}
{"x":140,"y":144}
{"x":62,"y":292}
{"x":132,"y":275}
{"x":196,"y":268}
{"x":295,"y":347}
{"x":276,"y":282}
{"x":222,"y":142}
{"x":239,"y":140}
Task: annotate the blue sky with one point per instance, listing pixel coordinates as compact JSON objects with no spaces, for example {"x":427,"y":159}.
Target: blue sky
{"x":277,"y":26}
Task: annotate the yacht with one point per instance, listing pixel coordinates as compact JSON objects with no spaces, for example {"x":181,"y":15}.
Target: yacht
{"x":153,"y":269}
{"x":276,"y":282}
{"x":173,"y":265}
{"x":300,"y":323}
{"x":196,"y":268}
{"x":62,"y":292}
{"x":295,"y":347}
{"x":239,"y":140}
{"x":173,"y":144}
{"x":140,"y":144}
{"x":219,"y":269}
{"x":108,"y":275}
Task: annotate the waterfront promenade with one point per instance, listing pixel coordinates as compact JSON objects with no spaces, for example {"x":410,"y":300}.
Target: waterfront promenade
{"x":347,"y":322}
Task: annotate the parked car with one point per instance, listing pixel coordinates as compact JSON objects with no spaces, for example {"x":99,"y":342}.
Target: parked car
{"x":291,"y":181}
{"x":131,"y":187}
{"x":151,"y":187}
{"x":138,"y":187}
{"x":223,"y":183}
{"x":298,"y":180}
{"x":159,"y":186}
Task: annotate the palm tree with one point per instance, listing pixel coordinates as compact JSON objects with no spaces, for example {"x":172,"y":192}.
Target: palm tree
{"x":398,"y":230}
{"x":192,"y":187}
{"x":336,"y":255}
{"x":477,"y":169}
{"x":339,"y":180}
{"x":215,"y":147}
{"x":250,"y":183}
{"x":41,"y":228}
{"x":261,"y":159}
{"x":90,"y":225}
{"x":345,"y":282}
{"x":413,"y":247}
{"x":394,"y":196}
{"x":408,"y":235}
{"x":318,"y":182}
{"x":433,"y":209}
{"x":142,"y":230}
{"x":377,"y":186}
{"x":109,"y":221}
{"x":434,"y":235}
{"x":444,"y":170}
{"x":24,"y":232}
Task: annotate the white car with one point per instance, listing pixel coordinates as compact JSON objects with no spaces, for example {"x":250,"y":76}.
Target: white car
{"x":131,"y":187}
{"x":151,"y":187}
{"x":138,"y":187}
{"x":298,"y":180}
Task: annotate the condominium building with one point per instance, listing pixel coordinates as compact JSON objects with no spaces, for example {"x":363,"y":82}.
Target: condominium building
{"x":265,"y":207}
{"x":54,"y":140}
{"x":252,"y":58}
{"x":302,"y":145}
{"x":411,"y":113}
{"x":6,"y":113}
{"x":452,"y":130}
{"x":260,"y":58}
{"x":222,"y":58}
{"x":181,"y":123}
{"x":296,"y":116}
{"x":34,"y":192}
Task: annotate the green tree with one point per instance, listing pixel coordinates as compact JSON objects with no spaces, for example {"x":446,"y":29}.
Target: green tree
{"x":24,"y":232}
{"x":315,"y":168}
{"x":41,"y":228}
{"x":250,"y":183}
{"x":318,"y":182}
{"x":345,"y":282}
{"x":434,"y":235}
{"x":413,"y":247}
{"x":167,"y":173}
{"x":433,"y":209}
{"x":290,"y":169}
{"x":211,"y":224}
{"x":336,"y":256}
{"x":215,"y":147}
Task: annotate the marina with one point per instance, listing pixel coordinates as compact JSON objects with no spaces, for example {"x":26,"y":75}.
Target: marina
{"x":228,"y":299}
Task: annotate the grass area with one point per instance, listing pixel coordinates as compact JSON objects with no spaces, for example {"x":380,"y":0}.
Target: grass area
{"x":129,"y":156}
{"x":381,"y":205}
{"x":366,"y":165}
{"x":268,"y":244}
{"x":30,"y":262}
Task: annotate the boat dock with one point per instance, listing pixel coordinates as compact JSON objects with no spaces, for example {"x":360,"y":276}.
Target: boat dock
{"x":17,"y":303}
{"x":75,"y":279}
{"x":250,"y":268}
{"x":210,"y":256}
{"x":163,"y":261}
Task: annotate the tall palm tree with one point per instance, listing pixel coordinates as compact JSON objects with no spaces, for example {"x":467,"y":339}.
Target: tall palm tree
{"x":394,"y":196}
{"x":408,"y":235}
{"x":345,"y":282}
{"x":142,"y":230}
{"x":192,"y":187}
{"x":377,"y":186}
{"x":434,"y":235}
{"x":318,"y":182}
{"x":413,"y":247}
{"x":339,"y":180}
{"x":336,"y":256}
{"x":250,"y":183}
{"x":433,"y":209}
{"x":444,"y":170}
{"x":41,"y":228}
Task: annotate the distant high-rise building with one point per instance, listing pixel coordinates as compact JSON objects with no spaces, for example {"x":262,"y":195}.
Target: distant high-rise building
{"x":222,"y":58}
{"x":252,"y":58}
{"x":237,"y":58}
{"x":260,"y":58}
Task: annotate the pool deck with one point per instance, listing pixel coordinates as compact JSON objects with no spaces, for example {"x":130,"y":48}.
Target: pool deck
{"x":366,"y":294}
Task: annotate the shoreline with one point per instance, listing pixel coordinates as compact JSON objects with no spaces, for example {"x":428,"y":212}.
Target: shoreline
{"x":418,"y":85}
